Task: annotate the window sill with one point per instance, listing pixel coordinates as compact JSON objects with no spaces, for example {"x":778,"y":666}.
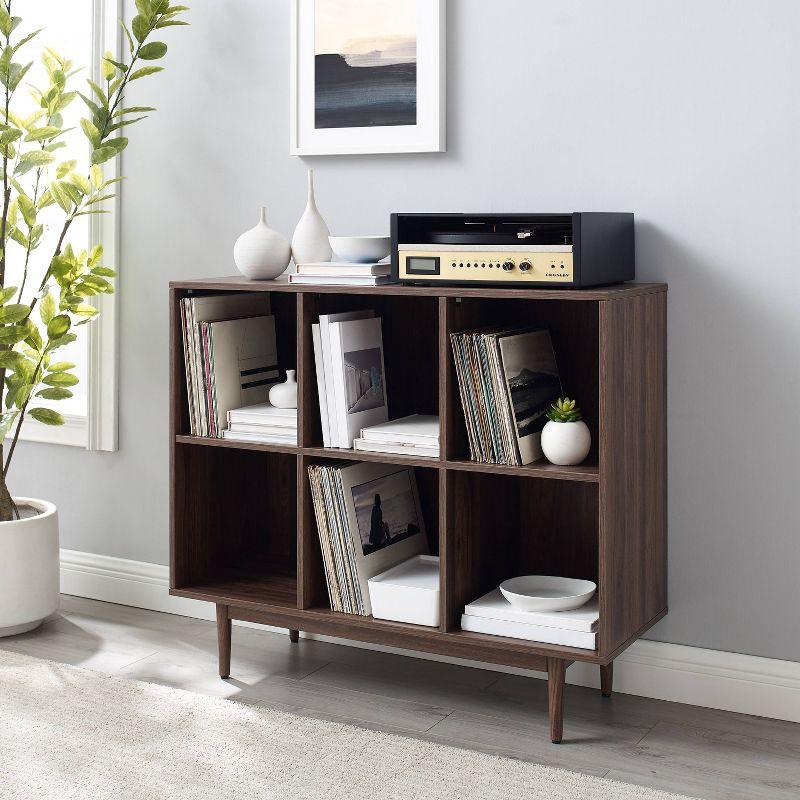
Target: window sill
{"x":73,"y":433}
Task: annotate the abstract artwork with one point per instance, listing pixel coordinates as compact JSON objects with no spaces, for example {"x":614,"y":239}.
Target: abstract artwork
{"x":368,"y":76}
{"x":365,"y":63}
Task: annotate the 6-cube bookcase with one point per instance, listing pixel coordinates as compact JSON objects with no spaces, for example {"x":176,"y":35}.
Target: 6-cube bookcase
{"x":242,"y":527}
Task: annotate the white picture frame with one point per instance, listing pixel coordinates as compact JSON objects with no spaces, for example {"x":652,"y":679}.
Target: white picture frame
{"x":426,"y":136}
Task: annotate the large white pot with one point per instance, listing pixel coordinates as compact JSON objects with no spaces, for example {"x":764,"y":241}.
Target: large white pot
{"x":29,"y":568}
{"x":566,"y":443}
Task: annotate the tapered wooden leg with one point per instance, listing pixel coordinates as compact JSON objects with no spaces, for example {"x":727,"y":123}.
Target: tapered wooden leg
{"x":224,"y":641}
{"x":294,"y":636}
{"x":556,"y":668}
{"x":607,"y":679}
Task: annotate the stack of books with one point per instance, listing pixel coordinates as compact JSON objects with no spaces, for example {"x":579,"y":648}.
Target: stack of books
{"x":507,"y":379}
{"x":415,"y":435}
{"x":230,"y":356}
{"x":368,"y":519}
{"x":342,"y":273}
{"x":262,"y":423}
{"x":351,"y":382}
{"x":493,"y":614}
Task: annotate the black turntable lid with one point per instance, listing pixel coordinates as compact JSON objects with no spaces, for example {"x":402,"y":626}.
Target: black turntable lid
{"x":505,"y":233}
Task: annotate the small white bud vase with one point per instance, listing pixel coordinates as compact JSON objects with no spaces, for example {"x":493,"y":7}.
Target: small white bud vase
{"x":261,"y":253}
{"x":284,"y":395}
{"x":566,"y":443}
{"x":310,"y":241}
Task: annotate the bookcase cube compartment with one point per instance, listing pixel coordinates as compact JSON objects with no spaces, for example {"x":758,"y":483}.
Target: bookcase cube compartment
{"x":315,"y":593}
{"x":574,"y":331}
{"x":234,"y":524}
{"x":410,"y":352}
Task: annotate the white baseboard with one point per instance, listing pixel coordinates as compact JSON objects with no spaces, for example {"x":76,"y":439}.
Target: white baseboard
{"x":762,"y":687}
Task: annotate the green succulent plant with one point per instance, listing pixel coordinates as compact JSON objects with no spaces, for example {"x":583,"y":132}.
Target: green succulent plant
{"x":564,"y":410}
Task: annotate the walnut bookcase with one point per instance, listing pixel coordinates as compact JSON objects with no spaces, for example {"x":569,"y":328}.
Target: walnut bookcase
{"x":242,"y":528}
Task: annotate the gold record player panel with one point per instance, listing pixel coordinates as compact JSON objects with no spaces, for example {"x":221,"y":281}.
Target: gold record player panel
{"x":508,"y":265}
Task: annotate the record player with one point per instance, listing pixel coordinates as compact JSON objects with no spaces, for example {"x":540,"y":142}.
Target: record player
{"x":514,"y":250}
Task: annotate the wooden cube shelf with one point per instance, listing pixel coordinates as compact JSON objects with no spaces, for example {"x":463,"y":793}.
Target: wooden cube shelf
{"x":242,"y":529}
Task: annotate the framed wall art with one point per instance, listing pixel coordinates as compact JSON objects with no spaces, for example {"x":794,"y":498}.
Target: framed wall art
{"x":368,"y":76}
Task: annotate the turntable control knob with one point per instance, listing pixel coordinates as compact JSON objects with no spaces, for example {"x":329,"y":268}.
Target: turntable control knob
{"x":525,"y":266}
{"x":508,"y":266}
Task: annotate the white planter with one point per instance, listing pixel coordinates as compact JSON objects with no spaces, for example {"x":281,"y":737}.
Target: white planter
{"x":284,"y":395}
{"x":29,"y":568}
{"x":566,"y":443}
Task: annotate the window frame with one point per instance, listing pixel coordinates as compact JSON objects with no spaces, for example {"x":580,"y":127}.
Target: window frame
{"x":98,"y":429}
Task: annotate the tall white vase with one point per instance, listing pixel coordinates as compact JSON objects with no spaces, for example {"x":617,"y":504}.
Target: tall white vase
{"x":262,"y":253}
{"x":310,"y":241}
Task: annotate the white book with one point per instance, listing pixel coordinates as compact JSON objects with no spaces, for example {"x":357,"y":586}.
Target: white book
{"x":316,"y":335}
{"x":396,"y":449}
{"x":264,"y":413}
{"x":336,"y":280}
{"x":242,"y":364}
{"x":422,"y":429}
{"x":344,"y":269}
{"x":263,"y":430}
{"x":325,"y":321}
{"x":359,"y":377}
{"x":531,"y":633}
{"x":260,"y":438}
{"x":211,"y":308}
{"x":494,"y":606}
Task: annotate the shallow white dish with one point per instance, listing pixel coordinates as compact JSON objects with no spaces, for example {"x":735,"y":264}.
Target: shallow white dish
{"x":547,"y":592}
{"x":360,"y":249}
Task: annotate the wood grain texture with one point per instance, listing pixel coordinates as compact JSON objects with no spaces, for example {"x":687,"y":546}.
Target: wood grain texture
{"x":607,"y":679}
{"x":556,"y":670}
{"x":224,"y":641}
{"x":242,"y":528}
{"x":242,"y":284}
{"x":633,"y":467}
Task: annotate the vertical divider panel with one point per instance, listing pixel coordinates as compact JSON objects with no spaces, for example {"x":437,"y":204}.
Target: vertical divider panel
{"x":307,"y":314}
{"x":309,"y":576}
{"x":446,"y":560}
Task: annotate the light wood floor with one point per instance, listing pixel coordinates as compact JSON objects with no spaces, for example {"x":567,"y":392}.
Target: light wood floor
{"x":699,"y":752}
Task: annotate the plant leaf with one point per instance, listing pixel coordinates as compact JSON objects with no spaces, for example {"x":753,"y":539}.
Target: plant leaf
{"x":60,"y":379}
{"x":47,"y":416}
{"x":144,"y":71}
{"x":13,"y":313}
{"x":58,"y":326}
{"x":55,"y":393}
{"x":153,"y":51}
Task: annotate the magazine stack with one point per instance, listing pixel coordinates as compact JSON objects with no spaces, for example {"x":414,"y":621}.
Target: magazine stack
{"x":415,"y":435}
{"x":230,"y":355}
{"x":351,"y":380}
{"x":507,"y":380}
{"x":262,"y":423}
{"x":368,"y":519}
{"x":493,"y":614}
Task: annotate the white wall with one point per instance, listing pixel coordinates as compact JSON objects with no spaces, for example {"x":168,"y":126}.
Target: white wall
{"x":685,"y":112}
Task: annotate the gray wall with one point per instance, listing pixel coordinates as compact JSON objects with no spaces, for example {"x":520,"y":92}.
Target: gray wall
{"x":683,"y":112}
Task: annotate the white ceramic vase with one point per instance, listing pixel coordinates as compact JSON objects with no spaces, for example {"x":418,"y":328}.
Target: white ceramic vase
{"x":566,"y":443}
{"x":284,"y":395}
{"x":261,"y":253}
{"x":29,"y":568}
{"x":310,"y":241}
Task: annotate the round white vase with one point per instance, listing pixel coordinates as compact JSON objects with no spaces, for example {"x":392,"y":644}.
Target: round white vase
{"x":284,"y":395}
{"x":29,"y":568}
{"x":262,"y":253}
{"x":566,"y":443}
{"x":310,"y":241}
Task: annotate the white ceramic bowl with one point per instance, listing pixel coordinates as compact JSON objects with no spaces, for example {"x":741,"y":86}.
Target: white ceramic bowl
{"x":360,"y":249}
{"x":547,"y":592}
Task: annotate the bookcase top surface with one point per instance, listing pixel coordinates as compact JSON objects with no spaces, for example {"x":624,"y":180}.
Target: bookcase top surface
{"x":240,"y":283}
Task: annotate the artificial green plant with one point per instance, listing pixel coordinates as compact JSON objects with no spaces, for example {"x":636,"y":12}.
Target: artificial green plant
{"x":564,"y":410}
{"x":38,"y":171}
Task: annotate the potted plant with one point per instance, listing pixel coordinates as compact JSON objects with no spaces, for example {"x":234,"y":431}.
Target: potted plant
{"x":565,"y":437}
{"x":38,"y":313}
